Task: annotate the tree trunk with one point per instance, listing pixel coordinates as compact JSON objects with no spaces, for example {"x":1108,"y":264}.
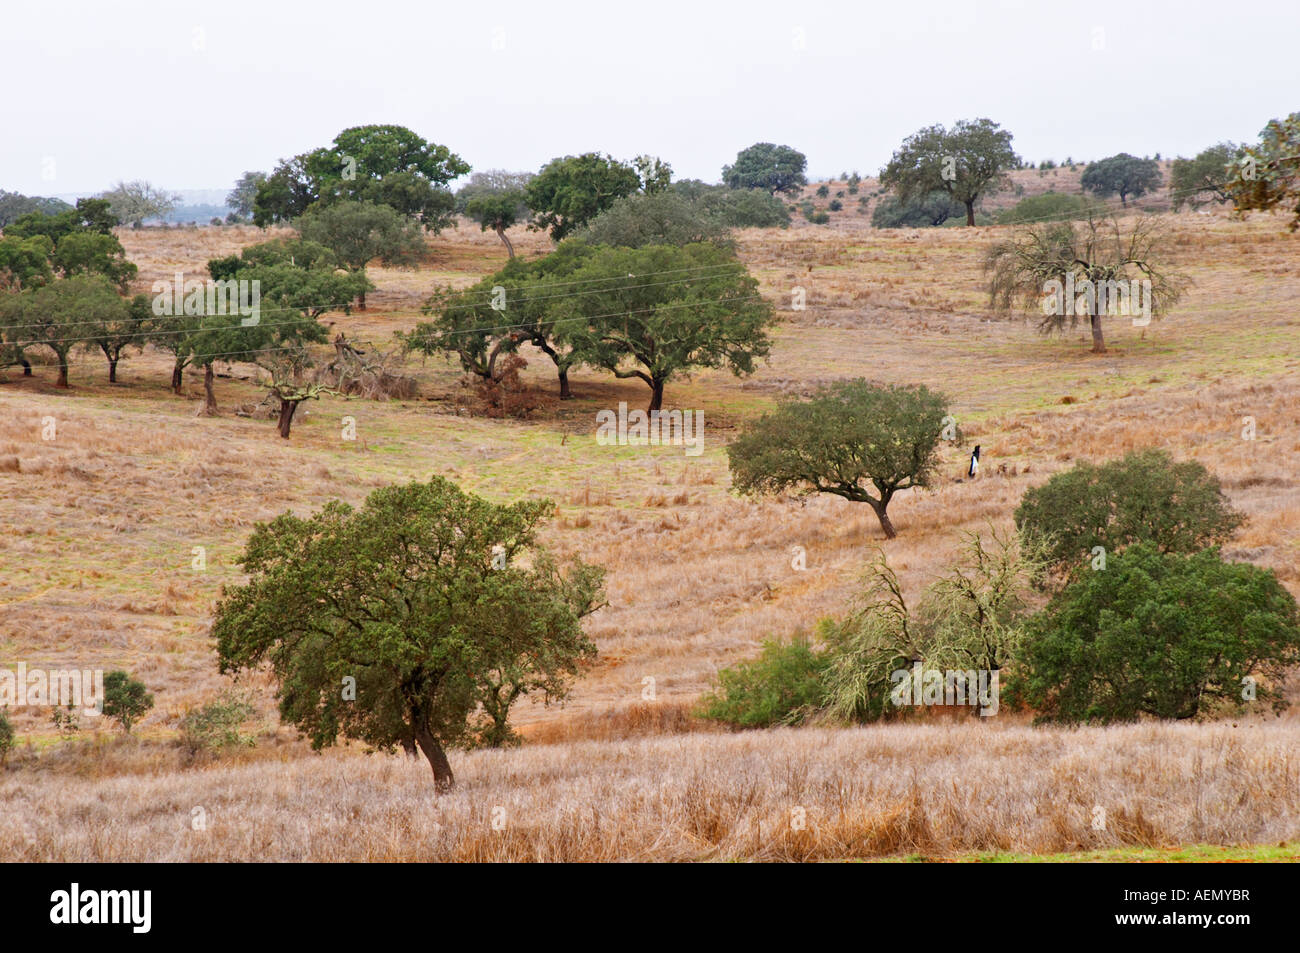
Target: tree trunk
{"x":112,"y":370}
{"x":886,"y":524}
{"x":1098,"y":341}
{"x":209,"y":396}
{"x":501,"y":233}
{"x":63,"y":371}
{"x":177,"y":372}
{"x":565,"y":393}
{"x":287,"y":408}
{"x":361,"y":301}
{"x":443,"y":779}
{"x":970,"y":212}
{"x":27,"y":366}
{"x":656,"y":395}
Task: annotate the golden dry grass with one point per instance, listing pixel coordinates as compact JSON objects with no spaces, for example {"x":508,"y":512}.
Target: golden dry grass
{"x":100,"y":524}
{"x":787,"y":795}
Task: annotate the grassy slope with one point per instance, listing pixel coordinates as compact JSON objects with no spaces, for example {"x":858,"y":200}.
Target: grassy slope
{"x":103,"y":520}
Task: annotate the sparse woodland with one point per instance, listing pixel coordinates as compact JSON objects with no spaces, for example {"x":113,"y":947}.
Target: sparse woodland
{"x":379,"y":473}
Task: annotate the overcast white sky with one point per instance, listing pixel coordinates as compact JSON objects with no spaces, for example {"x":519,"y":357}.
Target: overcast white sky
{"x":190,"y":94}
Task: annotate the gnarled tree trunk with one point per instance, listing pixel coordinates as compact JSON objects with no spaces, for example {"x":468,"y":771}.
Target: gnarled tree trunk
{"x":501,"y":233}
{"x":1098,"y":341}
{"x":287,"y":409}
{"x":443,"y":779}
{"x":209,"y":395}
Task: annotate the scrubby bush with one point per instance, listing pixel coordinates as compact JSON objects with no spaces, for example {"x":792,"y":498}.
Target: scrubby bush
{"x":1162,"y":634}
{"x":823,"y":190}
{"x":783,"y":686}
{"x":836,"y":205}
{"x":6,"y":737}
{"x":216,"y":725}
{"x":1048,"y":207}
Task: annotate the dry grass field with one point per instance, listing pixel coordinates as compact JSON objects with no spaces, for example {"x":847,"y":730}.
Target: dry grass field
{"x":98,"y":529}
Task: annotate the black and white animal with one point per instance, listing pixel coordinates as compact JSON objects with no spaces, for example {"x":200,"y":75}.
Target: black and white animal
{"x":974,"y":463}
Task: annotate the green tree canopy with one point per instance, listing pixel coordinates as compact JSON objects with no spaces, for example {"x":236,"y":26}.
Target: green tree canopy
{"x":1162,"y":634}
{"x":60,"y":315}
{"x":25,"y":262}
{"x":1144,"y":497}
{"x":570,"y":191}
{"x":1204,"y":179}
{"x":968,"y":162}
{"x":1267,"y":175}
{"x":126,"y":700}
{"x":416,"y":620}
{"x":381,"y":164}
{"x":14,"y":205}
{"x":498,"y":211}
{"x":661,"y":218}
{"x":242,"y":198}
{"x":657,"y":312}
{"x":359,"y":232}
{"x":769,"y":167}
{"x":862,"y":441}
{"x":93,"y":215}
{"x":479,"y":327}
{"x":1121,"y":175}
{"x":94,"y":253}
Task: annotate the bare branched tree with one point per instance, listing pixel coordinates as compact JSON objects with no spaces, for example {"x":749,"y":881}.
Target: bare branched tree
{"x":1089,"y":269}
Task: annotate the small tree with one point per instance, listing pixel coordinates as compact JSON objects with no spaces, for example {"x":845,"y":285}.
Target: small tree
{"x":1091,"y":270}
{"x":655,"y":174}
{"x":1144,"y":497}
{"x":765,"y":165}
{"x":242,"y":197}
{"x":862,"y":441}
{"x":358,"y":232}
{"x":113,"y":330}
{"x":126,"y":700}
{"x":394,"y":623}
{"x":1122,"y":175}
{"x":1161,"y":634}
{"x":655,"y":327}
{"x":571,"y":191}
{"x":967,"y":162}
{"x":498,"y":211}
{"x":1198,"y":181}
